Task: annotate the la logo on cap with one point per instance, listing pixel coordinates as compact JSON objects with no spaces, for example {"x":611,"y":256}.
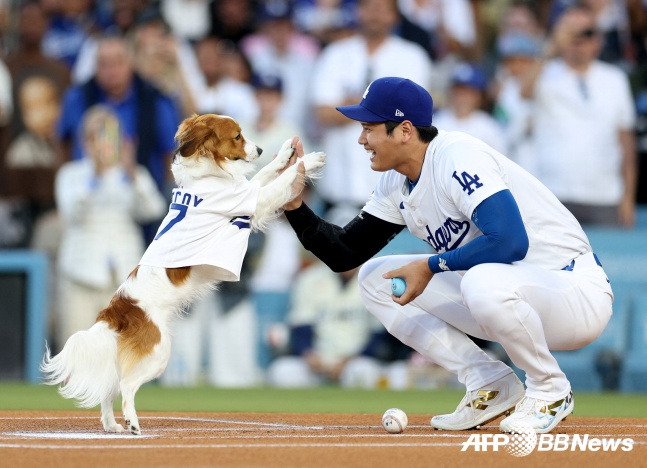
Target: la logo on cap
{"x":399,"y":113}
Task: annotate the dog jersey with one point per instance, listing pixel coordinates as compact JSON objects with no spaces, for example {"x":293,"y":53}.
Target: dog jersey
{"x":458,"y":173}
{"x":208,"y":223}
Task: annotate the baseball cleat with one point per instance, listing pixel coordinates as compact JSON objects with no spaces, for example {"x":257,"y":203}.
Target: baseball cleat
{"x":541,"y":415}
{"x":481,"y":406}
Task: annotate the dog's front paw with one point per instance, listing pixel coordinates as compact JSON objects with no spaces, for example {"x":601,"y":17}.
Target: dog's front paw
{"x":133,"y":427}
{"x":313,"y":162}
{"x":284,"y":155}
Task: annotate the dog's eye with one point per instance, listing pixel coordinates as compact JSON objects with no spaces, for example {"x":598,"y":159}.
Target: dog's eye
{"x":238,"y":137}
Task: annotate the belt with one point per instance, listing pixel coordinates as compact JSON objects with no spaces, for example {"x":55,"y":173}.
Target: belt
{"x":587,"y":260}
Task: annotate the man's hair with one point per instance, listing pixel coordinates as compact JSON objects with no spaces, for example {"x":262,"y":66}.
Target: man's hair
{"x":425,"y":134}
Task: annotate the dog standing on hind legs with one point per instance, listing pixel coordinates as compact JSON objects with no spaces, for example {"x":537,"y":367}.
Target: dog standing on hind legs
{"x":201,"y":242}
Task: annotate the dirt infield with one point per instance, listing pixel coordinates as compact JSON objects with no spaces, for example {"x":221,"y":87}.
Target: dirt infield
{"x":268,"y":440}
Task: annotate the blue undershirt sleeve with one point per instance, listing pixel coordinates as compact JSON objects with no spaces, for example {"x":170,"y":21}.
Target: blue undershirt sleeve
{"x":504,"y":238}
{"x":301,"y":339}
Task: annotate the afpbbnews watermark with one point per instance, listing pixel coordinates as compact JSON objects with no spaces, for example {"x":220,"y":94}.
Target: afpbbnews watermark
{"x":523,"y":441}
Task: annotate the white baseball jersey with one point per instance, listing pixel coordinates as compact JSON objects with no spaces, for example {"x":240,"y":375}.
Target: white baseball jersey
{"x":578,"y":154}
{"x":458,"y":173}
{"x":208,"y":223}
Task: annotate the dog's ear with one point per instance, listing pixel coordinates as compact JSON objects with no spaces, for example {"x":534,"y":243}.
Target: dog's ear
{"x":192,"y":134}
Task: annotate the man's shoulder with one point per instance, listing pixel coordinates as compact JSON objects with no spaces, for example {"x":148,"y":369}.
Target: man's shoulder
{"x":609,"y":71}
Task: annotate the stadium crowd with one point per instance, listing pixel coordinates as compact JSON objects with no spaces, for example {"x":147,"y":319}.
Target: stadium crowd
{"x":92,"y":91}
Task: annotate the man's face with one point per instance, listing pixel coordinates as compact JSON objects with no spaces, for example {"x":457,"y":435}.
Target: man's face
{"x":583,"y":41}
{"x":114,"y":68}
{"x":377,"y":17}
{"x":382,"y":148}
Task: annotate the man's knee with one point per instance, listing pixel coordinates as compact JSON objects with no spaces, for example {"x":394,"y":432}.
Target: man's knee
{"x":369,"y":274}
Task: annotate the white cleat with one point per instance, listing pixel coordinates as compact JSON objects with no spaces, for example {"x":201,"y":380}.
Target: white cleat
{"x":481,"y":406}
{"x":541,"y":415}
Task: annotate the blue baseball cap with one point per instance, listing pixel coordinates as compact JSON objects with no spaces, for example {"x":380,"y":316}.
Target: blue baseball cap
{"x":267,"y":81}
{"x":392,"y":99}
{"x":471,"y":75}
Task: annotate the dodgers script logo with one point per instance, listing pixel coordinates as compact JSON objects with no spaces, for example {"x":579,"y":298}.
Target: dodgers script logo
{"x":448,"y":236}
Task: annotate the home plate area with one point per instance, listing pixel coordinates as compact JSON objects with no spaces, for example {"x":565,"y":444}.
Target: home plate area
{"x":282,"y":440}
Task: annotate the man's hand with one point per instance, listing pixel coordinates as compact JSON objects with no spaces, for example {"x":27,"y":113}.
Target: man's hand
{"x":299,"y":182}
{"x":417,"y":276}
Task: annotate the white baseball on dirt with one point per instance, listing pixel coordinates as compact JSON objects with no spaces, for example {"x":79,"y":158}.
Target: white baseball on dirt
{"x":395,"y":420}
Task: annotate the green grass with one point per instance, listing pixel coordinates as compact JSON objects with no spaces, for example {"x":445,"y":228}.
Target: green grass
{"x":20,"y":396}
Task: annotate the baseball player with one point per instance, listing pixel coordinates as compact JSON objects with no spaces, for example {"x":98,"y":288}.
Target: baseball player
{"x":512,"y":265}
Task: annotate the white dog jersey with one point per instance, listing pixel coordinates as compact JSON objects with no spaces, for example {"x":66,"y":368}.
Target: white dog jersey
{"x":208,"y":223}
{"x":458,"y":173}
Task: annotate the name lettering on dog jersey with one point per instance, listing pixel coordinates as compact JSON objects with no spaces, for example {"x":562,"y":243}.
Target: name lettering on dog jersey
{"x":466,"y":181}
{"x":448,"y":236}
{"x":186,"y":198}
{"x":180,"y":202}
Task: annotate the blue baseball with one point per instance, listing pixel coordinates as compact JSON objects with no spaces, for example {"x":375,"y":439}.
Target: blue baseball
{"x":398,"y":286}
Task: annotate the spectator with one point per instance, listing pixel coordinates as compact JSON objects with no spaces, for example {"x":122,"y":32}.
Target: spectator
{"x":585,"y":118}
{"x":148,"y":117}
{"x":124,"y":15}
{"x":188,"y":19}
{"x":325,"y":20}
{"x":32,"y":157}
{"x":451,"y":24}
{"x":337,"y":80}
{"x":279,"y":49}
{"x":232,"y":19}
{"x":28,"y":60}
{"x":39,"y":102}
{"x":517,"y":54}
{"x":213,"y":90}
{"x":466,"y":113}
{"x":165,"y":60}
{"x":68,"y":30}
{"x":329,"y":329}
{"x":611,"y":20}
{"x":101,"y":198}
{"x":520,"y":17}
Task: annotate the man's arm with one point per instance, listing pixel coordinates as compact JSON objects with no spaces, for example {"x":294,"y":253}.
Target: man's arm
{"x":504,"y":240}
{"x":341,"y":248}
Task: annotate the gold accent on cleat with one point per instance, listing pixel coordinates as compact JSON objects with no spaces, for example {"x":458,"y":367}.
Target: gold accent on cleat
{"x":550,"y":409}
{"x":484,"y":395}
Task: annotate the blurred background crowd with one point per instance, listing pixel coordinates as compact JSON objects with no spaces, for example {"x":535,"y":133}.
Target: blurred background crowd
{"x":92,"y":91}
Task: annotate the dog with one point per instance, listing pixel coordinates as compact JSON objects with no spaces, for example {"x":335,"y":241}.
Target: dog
{"x":201,"y":242}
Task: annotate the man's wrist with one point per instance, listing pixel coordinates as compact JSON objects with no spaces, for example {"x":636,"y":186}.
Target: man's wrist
{"x":294,"y":204}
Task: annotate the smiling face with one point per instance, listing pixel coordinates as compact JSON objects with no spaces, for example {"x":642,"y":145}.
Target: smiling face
{"x":402,"y":150}
{"x":381,"y":147}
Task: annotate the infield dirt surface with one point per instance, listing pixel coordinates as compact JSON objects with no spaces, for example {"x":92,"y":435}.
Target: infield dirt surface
{"x":273,"y":440}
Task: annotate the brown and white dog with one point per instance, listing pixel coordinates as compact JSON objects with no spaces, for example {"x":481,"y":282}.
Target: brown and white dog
{"x":129,"y":344}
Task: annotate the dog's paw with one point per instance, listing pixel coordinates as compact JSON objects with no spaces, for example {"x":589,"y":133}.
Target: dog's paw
{"x":118,"y":428}
{"x":313,"y":162}
{"x":133,"y":428}
{"x":284,"y":155}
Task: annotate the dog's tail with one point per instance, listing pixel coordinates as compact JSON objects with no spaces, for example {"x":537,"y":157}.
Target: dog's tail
{"x":86,"y":369}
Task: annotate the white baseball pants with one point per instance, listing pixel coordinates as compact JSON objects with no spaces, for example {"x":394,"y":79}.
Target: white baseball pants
{"x":527,"y":309}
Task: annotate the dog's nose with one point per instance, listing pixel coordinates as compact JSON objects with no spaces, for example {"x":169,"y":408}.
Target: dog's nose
{"x":259,"y":150}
